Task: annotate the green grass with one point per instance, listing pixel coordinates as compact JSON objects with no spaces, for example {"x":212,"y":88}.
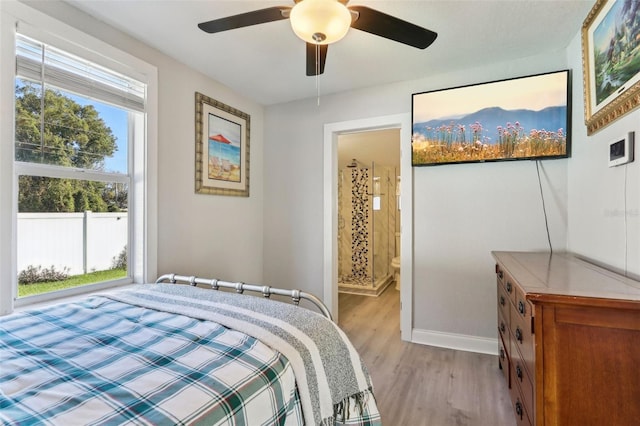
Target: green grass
{"x":73,"y":281}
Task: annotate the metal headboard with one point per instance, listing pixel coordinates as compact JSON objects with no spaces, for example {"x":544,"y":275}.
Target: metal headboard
{"x":241,"y":287}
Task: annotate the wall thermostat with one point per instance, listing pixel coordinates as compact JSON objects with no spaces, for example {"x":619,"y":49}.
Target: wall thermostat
{"x":621,"y":150}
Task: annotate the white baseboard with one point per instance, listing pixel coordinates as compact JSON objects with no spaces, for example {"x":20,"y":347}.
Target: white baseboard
{"x":461,"y":342}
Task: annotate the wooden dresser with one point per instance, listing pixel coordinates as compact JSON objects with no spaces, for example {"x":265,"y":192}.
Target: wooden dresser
{"x":569,"y":340}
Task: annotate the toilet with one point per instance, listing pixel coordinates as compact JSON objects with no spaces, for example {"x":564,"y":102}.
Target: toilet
{"x":395,"y":262}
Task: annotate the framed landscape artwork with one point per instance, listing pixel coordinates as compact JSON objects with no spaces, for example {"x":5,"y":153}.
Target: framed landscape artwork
{"x":222,"y":148}
{"x":611,"y":61}
{"x":524,"y":118}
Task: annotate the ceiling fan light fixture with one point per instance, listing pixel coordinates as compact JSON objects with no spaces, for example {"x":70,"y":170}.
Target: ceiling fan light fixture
{"x":320,"y":21}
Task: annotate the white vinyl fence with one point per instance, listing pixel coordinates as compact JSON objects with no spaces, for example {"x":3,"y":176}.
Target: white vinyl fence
{"x":81,"y":242}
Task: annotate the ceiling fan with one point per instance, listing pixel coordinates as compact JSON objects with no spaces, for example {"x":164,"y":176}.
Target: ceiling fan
{"x":322,"y":22}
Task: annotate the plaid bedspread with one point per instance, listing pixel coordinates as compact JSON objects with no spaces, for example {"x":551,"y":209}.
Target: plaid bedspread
{"x":107,"y":361}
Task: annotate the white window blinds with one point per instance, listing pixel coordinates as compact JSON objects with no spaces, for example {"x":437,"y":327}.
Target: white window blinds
{"x":40,"y":62}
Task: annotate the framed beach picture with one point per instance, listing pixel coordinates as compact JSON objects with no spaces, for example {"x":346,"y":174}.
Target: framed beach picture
{"x":611,"y":61}
{"x":222,"y":148}
{"x":523,"y":118}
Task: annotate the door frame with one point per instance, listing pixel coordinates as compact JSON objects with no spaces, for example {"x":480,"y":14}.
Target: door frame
{"x":330,"y":211}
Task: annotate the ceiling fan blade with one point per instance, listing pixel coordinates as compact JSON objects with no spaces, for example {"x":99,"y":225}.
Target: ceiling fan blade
{"x":316,"y":58}
{"x":260,"y":16}
{"x":390,"y":27}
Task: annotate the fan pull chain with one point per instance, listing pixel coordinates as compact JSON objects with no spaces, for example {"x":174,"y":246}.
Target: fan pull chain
{"x":318,"y":73}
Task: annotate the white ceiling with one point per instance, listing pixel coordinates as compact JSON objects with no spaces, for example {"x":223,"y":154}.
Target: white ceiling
{"x":266,"y":62}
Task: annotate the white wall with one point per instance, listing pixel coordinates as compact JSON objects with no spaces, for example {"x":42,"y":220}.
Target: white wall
{"x":206,"y":235}
{"x":461,"y":212}
{"x":464,"y":212}
{"x":197,"y":234}
{"x":597,"y":209}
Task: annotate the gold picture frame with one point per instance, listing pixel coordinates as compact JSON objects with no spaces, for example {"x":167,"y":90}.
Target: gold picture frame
{"x":610,"y":62}
{"x":222,"y":148}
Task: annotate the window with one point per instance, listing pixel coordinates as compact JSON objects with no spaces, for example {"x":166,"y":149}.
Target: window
{"x":47,"y":163}
{"x":52,"y":64}
{"x":73,"y":125}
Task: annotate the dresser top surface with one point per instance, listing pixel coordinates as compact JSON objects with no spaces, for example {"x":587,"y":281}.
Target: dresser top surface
{"x":563,"y":274}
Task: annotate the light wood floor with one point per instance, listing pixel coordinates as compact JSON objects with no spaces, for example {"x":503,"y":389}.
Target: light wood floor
{"x":422,"y":385}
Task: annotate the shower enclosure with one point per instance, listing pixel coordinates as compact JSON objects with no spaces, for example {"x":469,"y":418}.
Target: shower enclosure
{"x":367,"y":223}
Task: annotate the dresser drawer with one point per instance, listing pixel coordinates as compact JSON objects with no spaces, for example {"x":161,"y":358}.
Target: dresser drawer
{"x":510,"y":287}
{"x":503,"y":360}
{"x":503,"y":328}
{"x":504,"y":304}
{"x":522,"y":305}
{"x":521,"y":378}
{"x":507,"y":283}
{"x":522,"y":340}
{"x":522,"y":416}
{"x":500,"y":274}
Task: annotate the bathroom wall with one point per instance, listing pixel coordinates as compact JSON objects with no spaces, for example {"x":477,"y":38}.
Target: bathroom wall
{"x":366,"y":225}
{"x":355,"y":227}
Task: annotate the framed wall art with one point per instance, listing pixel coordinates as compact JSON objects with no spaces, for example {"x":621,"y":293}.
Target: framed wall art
{"x":610,"y":61}
{"x":222,"y":148}
{"x":522,"y":118}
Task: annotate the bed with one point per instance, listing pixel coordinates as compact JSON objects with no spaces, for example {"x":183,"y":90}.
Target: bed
{"x":165,"y":354}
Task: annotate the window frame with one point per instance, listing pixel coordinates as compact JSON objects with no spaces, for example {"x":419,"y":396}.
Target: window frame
{"x":142,"y":176}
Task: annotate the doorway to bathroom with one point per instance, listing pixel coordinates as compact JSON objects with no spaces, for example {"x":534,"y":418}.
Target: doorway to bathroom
{"x":332,"y":133}
{"x":369,"y":211}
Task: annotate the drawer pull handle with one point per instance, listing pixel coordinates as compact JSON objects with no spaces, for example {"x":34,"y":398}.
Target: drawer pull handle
{"x":500,"y":274}
{"x":519,"y":334}
{"x":519,"y":372}
{"x":503,"y":328}
{"x":519,"y":410}
{"x":502,"y":301}
{"x":509,"y":287}
{"x":521,"y":307}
